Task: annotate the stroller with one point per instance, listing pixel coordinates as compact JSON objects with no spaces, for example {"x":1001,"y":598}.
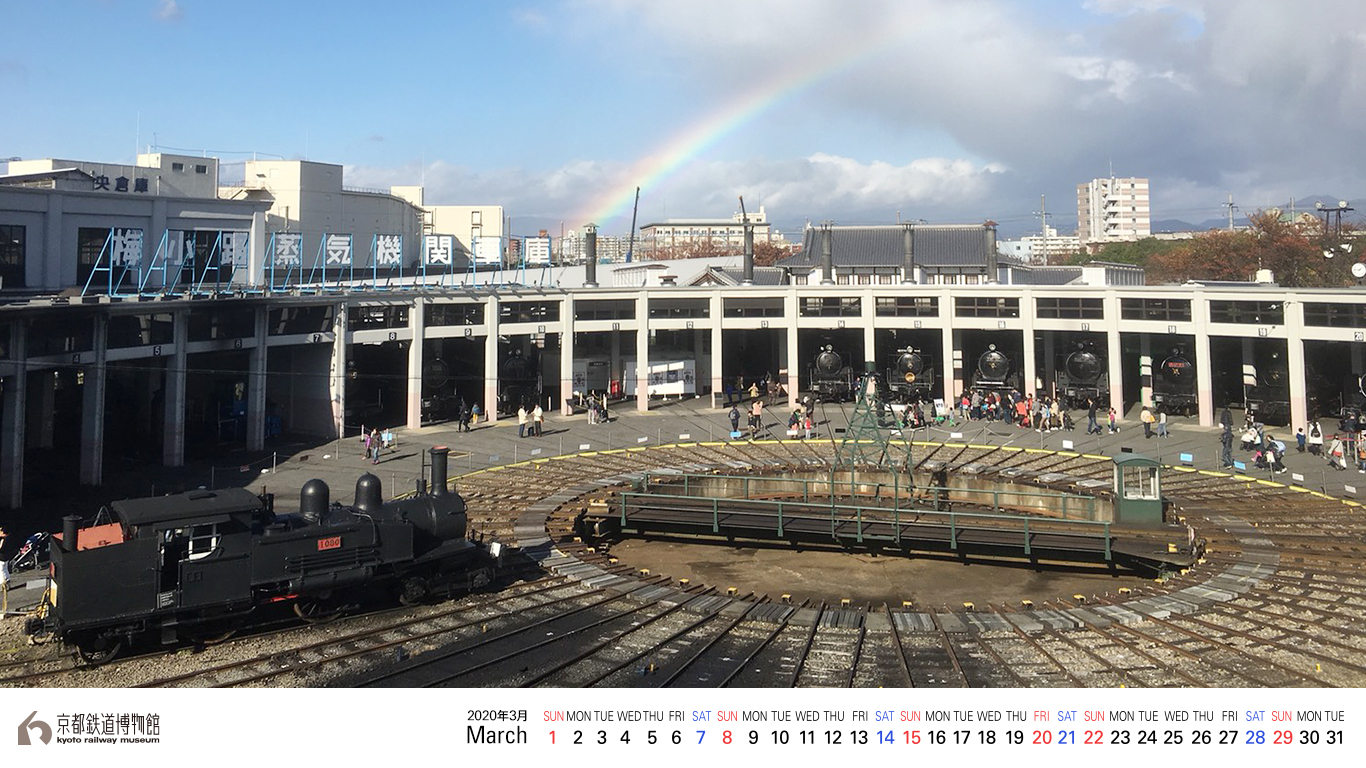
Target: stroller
{"x":33,"y":555}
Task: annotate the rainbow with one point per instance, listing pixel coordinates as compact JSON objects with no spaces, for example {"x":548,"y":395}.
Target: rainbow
{"x":653,"y":169}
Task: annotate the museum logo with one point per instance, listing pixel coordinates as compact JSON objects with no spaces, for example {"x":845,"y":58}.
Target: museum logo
{"x":44,"y":730}
{"x":92,"y":728}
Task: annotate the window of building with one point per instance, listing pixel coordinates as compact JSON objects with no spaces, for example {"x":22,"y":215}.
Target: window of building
{"x":1330,"y":315}
{"x":1162,"y":310}
{"x":1140,"y":483}
{"x":12,"y":247}
{"x":476,"y":218}
{"x":865,"y":279}
{"x":680,"y":308}
{"x":986,"y":306}
{"x":141,"y":330}
{"x":841,"y":279}
{"x":180,"y":167}
{"x":454,"y":314}
{"x":605,"y":309}
{"x":764,"y":307}
{"x":830,"y":306}
{"x":1070,"y":308}
{"x":884,"y":279}
{"x":201,"y":169}
{"x":292,"y":321}
{"x":377,"y":317}
{"x":907,"y":306}
{"x":528,"y":311}
{"x":61,"y":335}
{"x":799,"y":280}
{"x":210,"y":325}
{"x":1247,"y":312}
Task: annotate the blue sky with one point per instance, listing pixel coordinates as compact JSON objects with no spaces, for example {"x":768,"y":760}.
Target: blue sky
{"x":947,"y":110}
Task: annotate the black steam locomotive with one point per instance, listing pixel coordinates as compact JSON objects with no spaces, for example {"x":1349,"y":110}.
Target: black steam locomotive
{"x":1268,"y":400}
{"x":994,"y":372}
{"x":910,"y":378}
{"x":1353,"y":395}
{"x":1083,"y":374}
{"x":439,"y":402}
{"x":186,"y":567}
{"x":832,"y":379}
{"x":1174,"y":384}
{"x":519,"y":382}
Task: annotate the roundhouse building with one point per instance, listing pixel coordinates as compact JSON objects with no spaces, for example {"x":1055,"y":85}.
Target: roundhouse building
{"x":170,"y":370}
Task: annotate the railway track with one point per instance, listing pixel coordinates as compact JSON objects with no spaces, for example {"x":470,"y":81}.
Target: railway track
{"x":1278,"y":600}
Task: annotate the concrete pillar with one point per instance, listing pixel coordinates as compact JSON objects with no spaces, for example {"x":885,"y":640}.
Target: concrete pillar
{"x":173,"y":395}
{"x":92,"y":407}
{"x":491,"y":359}
{"x":615,"y":370}
{"x":957,"y":365}
{"x":1114,"y":352}
{"x":701,"y":361}
{"x":59,"y":271}
{"x":869,"y":319}
{"x":417,"y":326}
{"x":1299,"y":396}
{"x":718,"y":378}
{"x":336,"y":380}
{"x":642,"y":352}
{"x":15,"y":403}
{"x":566,"y":353}
{"x":45,"y":415}
{"x":256,"y":383}
{"x":791,"y":361}
{"x":256,"y":243}
{"x":1145,"y":368}
{"x":1204,"y":374}
{"x":1030,"y":369}
{"x":950,"y":367}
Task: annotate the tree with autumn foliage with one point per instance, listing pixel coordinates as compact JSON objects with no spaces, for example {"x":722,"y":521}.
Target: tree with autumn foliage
{"x":767,"y":254}
{"x":1292,"y":250}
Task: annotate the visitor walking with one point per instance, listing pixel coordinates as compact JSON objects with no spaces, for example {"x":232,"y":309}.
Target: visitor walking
{"x":537,"y":421}
{"x":521,"y":420}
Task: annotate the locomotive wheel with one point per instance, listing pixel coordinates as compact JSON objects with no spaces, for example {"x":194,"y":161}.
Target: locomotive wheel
{"x":412,"y":590}
{"x":316,"y":611}
{"x":99,"y":650}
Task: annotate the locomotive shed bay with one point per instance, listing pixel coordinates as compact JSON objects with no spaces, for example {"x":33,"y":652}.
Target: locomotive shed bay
{"x":1276,"y":602}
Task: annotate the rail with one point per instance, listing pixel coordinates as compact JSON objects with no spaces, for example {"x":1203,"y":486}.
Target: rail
{"x":1083,"y":505}
{"x":863,"y":517}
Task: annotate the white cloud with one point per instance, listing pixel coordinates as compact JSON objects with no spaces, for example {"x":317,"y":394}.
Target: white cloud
{"x":170,"y":11}
{"x":818,"y":187}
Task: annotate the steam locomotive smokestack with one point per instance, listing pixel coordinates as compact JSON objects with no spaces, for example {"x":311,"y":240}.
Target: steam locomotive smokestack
{"x":439,"y":454}
{"x":908,"y":251}
{"x":71,"y":525}
{"x":991,"y":252}
{"x":749,"y":255}
{"x":827,"y":261}
{"x":590,"y":255}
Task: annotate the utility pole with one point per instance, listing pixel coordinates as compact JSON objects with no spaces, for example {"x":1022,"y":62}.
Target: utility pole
{"x":1231,"y":208}
{"x":1043,"y":215}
